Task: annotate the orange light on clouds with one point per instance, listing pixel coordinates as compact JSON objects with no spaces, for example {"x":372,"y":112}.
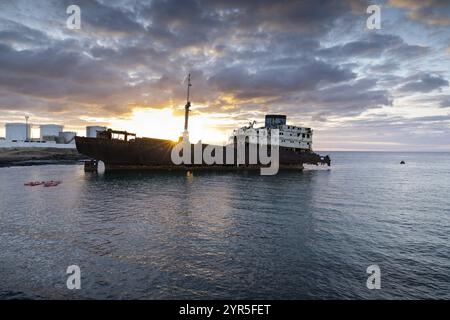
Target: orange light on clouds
{"x":164,"y":124}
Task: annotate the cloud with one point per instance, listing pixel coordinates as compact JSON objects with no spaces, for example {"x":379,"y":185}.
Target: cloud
{"x":306,"y":17}
{"x":431,"y":12}
{"x":274,"y":81}
{"x":373,"y":46}
{"x":13,"y":33}
{"x":445,"y":101}
{"x":309,"y":59}
{"x":424,"y":83}
{"x":97,"y":16}
{"x":346,"y":99}
{"x":385,"y":67}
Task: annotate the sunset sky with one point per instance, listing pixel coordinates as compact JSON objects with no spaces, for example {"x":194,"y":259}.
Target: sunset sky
{"x":314,"y":61}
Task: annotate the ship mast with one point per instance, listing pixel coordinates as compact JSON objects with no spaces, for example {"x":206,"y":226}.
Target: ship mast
{"x":186,"y":111}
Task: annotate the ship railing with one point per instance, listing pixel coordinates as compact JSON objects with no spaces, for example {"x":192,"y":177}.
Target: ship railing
{"x":115,"y":134}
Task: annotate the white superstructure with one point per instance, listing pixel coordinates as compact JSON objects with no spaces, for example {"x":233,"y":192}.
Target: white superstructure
{"x":292,"y":137}
{"x":295,"y":137}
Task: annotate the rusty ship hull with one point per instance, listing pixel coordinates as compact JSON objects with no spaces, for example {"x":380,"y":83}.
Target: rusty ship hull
{"x":154,"y":154}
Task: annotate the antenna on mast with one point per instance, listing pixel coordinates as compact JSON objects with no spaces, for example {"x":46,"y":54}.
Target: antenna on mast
{"x":186,"y":111}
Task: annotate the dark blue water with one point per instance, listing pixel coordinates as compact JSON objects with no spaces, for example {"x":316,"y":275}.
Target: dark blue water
{"x":296,"y":235}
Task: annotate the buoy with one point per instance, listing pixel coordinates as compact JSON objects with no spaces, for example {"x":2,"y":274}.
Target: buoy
{"x":402,"y":162}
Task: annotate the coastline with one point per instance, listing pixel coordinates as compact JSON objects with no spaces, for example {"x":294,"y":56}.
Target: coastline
{"x":11,"y":157}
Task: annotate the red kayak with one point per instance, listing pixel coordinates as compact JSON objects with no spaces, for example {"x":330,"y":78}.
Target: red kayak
{"x":34,"y":183}
{"x":51,"y":183}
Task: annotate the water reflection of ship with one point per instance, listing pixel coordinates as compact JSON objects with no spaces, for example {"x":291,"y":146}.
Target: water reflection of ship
{"x":121,"y":150}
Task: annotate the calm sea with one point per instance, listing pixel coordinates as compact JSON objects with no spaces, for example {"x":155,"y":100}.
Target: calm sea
{"x":296,"y":235}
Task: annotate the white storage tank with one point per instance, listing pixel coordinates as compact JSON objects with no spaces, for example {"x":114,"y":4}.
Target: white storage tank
{"x":66,"y":137}
{"x":91,"y":131}
{"x":50,"y":130}
{"x":17,"y":131}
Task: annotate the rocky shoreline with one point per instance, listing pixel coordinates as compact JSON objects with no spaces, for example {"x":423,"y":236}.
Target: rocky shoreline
{"x":10,"y":157}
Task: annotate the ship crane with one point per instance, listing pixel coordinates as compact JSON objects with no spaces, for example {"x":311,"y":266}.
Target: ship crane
{"x":186,"y":112}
